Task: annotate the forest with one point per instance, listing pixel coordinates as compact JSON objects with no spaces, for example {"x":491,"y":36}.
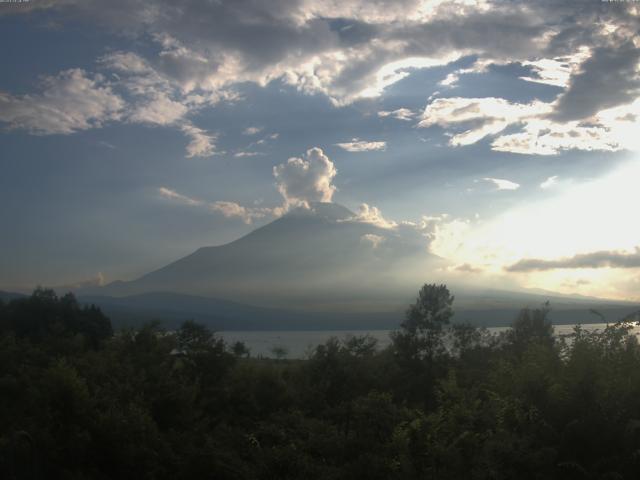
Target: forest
{"x":79,"y":400}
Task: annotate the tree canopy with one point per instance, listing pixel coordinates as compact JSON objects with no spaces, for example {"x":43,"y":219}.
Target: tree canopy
{"x":443,"y":401}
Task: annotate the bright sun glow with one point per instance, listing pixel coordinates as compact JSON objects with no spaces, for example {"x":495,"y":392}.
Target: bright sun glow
{"x":580,"y":218}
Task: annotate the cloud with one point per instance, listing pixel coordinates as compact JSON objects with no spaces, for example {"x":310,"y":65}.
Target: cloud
{"x":400,"y":114}
{"x":244,"y":154}
{"x":467,"y":268}
{"x":159,"y":109}
{"x":556,"y":71}
{"x":105,"y":144}
{"x":479,"y":116}
{"x":152,"y":98}
{"x":126,"y":62}
{"x":97,"y":280}
{"x":156,"y":99}
{"x":252,"y":130}
{"x":373,"y":215}
{"x":469,"y":120}
{"x":357,"y":145}
{"x":75,"y":100}
{"x":306,"y":179}
{"x":68,"y":102}
{"x":202,"y":144}
{"x":173,"y":195}
{"x":227,"y":209}
{"x":201,"y":50}
{"x":208,"y":46}
{"x":234,"y":210}
{"x":211,"y":45}
{"x":372,"y":239}
{"x":502,"y":184}
{"x":452,"y":79}
{"x":608,"y":78}
{"x":267,"y":138}
{"x":600,"y":259}
{"x":544,"y":137}
{"x":584,"y":216}
{"x":549,"y":182}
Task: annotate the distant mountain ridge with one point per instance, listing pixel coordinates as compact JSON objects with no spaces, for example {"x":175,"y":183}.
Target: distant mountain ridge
{"x":172,"y":309}
{"x":8,"y":296}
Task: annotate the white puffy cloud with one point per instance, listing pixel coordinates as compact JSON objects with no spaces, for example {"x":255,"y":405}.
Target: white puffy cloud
{"x":158,"y":100}
{"x":544,"y":137}
{"x":126,"y":62}
{"x":479,"y":66}
{"x":480,"y":116}
{"x":306,"y":179}
{"x":373,"y":215}
{"x":75,"y":100}
{"x":252,"y":130}
{"x":469,"y":120}
{"x":502,"y":184}
{"x":232,"y":209}
{"x":159,"y":109}
{"x":357,"y":145}
{"x":202,"y":144}
{"x":400,"y":114}
{"x":549,"y":182}
{"x":372,"y":239}
{"x":556,"y":71}
{"x":68,"y":102}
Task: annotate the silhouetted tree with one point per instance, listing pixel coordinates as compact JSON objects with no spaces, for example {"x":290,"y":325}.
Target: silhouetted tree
{"x":422,"y":330}
{"x":532,"y":326}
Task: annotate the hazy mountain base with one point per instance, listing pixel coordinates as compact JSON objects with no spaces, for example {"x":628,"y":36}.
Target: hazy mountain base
{"x":172,"y":309}
{"x":494,"y":309}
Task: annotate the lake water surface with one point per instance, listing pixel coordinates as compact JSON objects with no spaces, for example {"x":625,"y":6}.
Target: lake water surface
{"x":299,"y":343}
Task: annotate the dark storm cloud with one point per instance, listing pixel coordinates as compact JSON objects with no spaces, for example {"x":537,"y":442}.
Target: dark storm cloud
{"x":607,"y":79}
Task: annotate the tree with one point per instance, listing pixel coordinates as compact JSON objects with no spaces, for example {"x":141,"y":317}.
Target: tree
{"x":279,"y":351}
{"x":422,"y":331}
{"x":532,"y":326}
{"x":240,"y":349}
{"x":44,"y":316}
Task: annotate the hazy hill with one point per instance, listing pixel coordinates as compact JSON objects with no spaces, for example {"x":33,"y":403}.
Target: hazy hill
{"x":173,"y":308}
{"x":7,"y":296}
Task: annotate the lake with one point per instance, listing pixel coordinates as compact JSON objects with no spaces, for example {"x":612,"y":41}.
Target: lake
{"x":299,"y":343}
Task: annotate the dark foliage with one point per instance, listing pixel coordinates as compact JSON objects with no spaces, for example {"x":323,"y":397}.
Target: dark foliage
{"x":442,"y":402}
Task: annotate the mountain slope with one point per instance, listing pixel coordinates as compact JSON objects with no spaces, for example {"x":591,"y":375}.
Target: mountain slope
{"x":319,"y":253}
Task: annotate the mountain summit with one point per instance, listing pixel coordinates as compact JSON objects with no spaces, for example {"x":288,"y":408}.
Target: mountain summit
{"x":322,"y":252}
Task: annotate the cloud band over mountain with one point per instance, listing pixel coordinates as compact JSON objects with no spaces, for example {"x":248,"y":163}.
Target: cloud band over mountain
{"x":601,"y":259}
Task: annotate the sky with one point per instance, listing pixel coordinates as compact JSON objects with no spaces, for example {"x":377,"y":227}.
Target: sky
{"x":505,"y":133}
